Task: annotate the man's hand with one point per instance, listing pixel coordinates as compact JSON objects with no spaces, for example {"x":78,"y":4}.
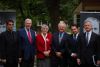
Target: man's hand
{"x":3,"y":60}
{"x":59,"y":54}
{"x":20,"y":60}
{"x":74,"y":55}
{"x":78,"y":61}
{"x":98,"y":62}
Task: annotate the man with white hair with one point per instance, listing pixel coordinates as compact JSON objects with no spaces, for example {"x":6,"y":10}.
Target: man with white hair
{"x":60,"y":41}
{"x":27,"y":44}
{"x":88,"y":47}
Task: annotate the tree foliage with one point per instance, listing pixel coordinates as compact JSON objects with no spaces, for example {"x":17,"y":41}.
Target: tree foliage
{"x":41,"y":10}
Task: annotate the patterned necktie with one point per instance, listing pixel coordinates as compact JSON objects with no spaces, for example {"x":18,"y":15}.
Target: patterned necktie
{"x":29,"y":37}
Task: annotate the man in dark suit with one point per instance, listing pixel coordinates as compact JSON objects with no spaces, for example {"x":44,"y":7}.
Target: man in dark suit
{"x":73,"y":47}
{"x":9,"y":46}
{"x":27,"y":44}
{"x":60,"y":52}
{"x":88,"y":46}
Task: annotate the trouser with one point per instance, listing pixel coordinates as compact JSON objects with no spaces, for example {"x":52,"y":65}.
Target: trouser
{"x":73,"y":62}
{"x":27,"y":63}
{"x":43,"y":62}
{"x":87,"y":65}
{"x":9,"y":64}
{"x":58,"y":62}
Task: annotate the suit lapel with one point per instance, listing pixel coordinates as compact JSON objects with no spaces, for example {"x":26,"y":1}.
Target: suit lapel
{"x":84,"y":39}
{"x":57,"y":37}
{"x":91,"y":38}
{"x":25,"y":34}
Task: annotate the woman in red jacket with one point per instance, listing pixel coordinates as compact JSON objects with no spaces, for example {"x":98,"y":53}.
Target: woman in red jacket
{"x":43,"y":44}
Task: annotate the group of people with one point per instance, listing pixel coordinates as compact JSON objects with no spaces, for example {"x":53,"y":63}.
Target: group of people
{"x":59,"y":49}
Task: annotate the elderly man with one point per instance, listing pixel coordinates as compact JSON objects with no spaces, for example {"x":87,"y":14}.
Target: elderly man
{"x":27,"y":44}
{"x":60,"y":42}
{"x":88,"y":46}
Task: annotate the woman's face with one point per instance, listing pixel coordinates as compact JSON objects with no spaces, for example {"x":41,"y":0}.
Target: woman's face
{"x":44,"y":29}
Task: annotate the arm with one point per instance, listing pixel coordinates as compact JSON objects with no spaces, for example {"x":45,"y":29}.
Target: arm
{"x":3,"y":46}
{"x":97,"y":48}
{"x":20,"y":51}
{"x":38,"y":45}
{"x":78,"y":50}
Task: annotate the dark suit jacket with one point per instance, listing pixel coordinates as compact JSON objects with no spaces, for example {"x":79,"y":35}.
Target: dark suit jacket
{"x":74,"y":44}
{"x":85,"y":52}
{"x":63,"y":46}
{"x":27,"y":49}
{"x":9,"y":46}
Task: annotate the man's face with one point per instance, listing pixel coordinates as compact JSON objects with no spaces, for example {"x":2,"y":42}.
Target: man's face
{"x":28,"y":24}
{"x":10,"y":26}
{"x":61,"y":28}
{"x":74,"y":29}
{"x":88,"y":26}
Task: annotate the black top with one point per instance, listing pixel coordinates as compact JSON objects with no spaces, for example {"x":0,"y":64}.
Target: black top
{"x":9,"y":48}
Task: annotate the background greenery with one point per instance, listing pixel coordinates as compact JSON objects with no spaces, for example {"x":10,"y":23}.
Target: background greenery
{"x":51,"y":11}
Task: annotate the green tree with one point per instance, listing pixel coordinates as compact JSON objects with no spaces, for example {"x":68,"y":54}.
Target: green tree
{"x":41,"y":10}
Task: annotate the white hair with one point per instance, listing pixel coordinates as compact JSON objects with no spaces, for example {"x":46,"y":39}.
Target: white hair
{"x":62,"y":23}
{"x":28,"y":20}
{"x":91,"y":20}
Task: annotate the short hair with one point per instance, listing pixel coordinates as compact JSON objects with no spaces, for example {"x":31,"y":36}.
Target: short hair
{"x":62,"y":23}
{"x":7,"y":21}
{"x":44,"y":26}
{"x":28,"y":19}
{"x":86,"y":21}
{"x":74,"y":25}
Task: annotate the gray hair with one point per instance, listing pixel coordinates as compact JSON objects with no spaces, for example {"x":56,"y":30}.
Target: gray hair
{"x":28,"y":20}
{"x":44,"y":26}
{"x":62,"y":23}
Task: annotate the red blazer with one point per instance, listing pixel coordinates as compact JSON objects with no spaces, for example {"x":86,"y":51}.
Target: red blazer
{"x":40,"y":44}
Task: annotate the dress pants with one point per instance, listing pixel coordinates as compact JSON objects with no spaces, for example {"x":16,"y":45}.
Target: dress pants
{"x":27,"y":63}
{"x":13,"y":64}
{"x":58,"y":62}
{"x":43,"y":62}
{"x":73,"y":62}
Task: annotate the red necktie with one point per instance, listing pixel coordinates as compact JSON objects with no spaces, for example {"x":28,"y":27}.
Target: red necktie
{"x":29,"y":37}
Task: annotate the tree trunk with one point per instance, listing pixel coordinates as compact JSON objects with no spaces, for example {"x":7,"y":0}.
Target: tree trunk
{"x":53,"y":9}
{"x":22,"y":13}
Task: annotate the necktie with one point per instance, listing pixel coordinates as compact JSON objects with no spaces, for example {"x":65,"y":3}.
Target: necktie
{"x":60,"y":37}
{"x":74,"y":37}
{"x":29,"y":37}
{"x":87,"y":38}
